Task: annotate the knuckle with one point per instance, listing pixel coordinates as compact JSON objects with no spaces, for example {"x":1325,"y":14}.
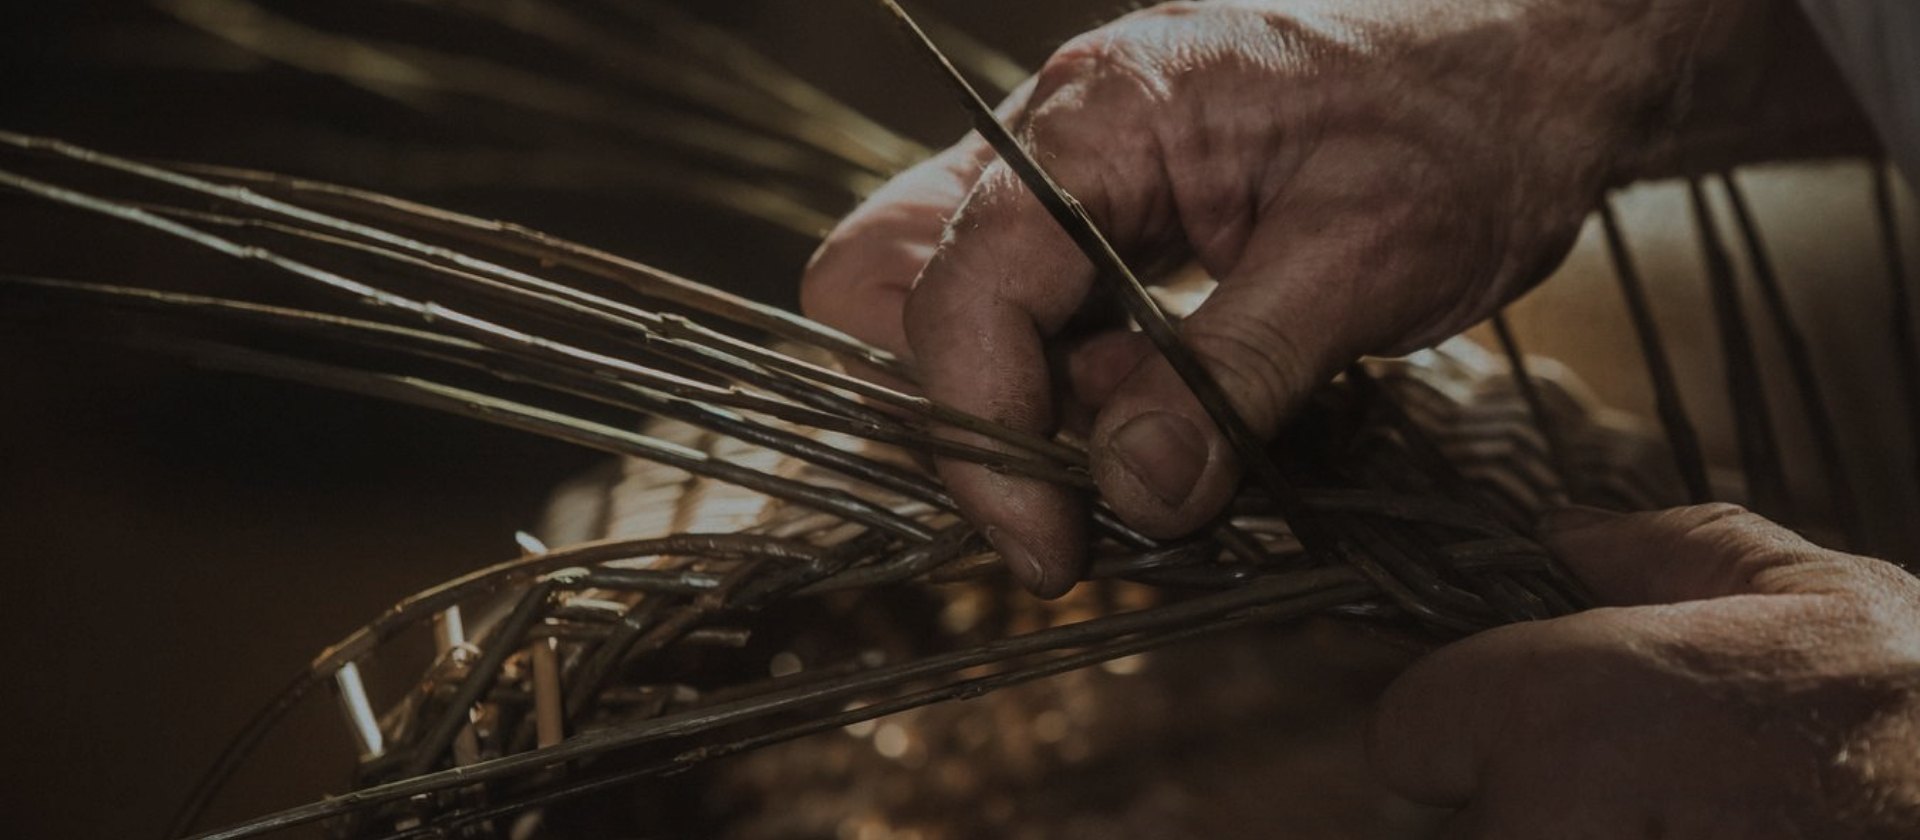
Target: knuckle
{"x":1730,"y":529}
{"x":1753,"y":552}
{"x":1774,"y":559}
{"x":1714,"y":520}
{"x":1113,"y":59}
{"x":997,"y":187}
{"x":1103,"y":159}
{"x":1261,"y":367}
{"x":1085,"y":57}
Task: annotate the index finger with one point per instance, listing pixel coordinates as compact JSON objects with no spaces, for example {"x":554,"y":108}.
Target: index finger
{"x":859,"y":278}
{"x":1005,"y":279}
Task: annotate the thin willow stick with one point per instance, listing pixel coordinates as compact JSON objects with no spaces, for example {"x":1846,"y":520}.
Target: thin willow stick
{"x":651,"y":637}
{"x":1536,"y":408}
{"x":1425,"y":459}
{"x":687,"y":400}
{"x":530,"y":290}
{"x":516,"y":239}
{"x":427,"y":394}
{"x":1275,"y":591}
{"x":958,"y":690}
{"x":660,"y":284}
{"x":708,"y":347}
{"x":642,"y":278}
{"x":664,"y":333}
{"x":1906,"y":352}
{"x":428,"y":603}
{"x":1752,"y":419}
{"x":589,"y":167}
{"x":486,"y":669}
{"x":1813,"y":399}
{"x":700,"y":410}
{"x":1681,"y":437}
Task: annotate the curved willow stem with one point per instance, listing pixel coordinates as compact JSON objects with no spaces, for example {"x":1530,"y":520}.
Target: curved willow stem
{"x":1681,"y":437}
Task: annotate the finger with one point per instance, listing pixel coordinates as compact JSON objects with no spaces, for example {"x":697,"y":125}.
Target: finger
{"x":1473,"y":721}
{"x":1289,"y":312}
{"x":1485,"y":712}
{"x":1095,"y":367}
{"x":1007,"y":279}
{"x":1690,"y":554}
{"x":1521,"y":712}
{"x":976,"y":322}
{"x":858,"y":280}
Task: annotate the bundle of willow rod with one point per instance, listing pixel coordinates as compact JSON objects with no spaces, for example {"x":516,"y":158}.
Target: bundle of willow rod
{"x":509,"y":326}
{"x":552,"y":357}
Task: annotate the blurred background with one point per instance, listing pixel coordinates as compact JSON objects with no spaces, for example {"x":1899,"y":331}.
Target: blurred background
{"x":178,"y":543}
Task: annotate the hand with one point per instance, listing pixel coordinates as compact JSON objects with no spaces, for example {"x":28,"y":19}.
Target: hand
{"x":1747,"y":685}
{"x":1362,"y":176}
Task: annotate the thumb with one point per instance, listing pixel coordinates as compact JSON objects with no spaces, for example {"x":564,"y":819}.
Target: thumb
{"x":1479,"y":704}
{"x":1160,"y":461}
{"x":1691,"y":554}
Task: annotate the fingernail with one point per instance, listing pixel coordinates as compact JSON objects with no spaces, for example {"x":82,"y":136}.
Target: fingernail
{"x":1164,"y":452}
{"x":1024,"y":565}
{"x":1575,"y":517}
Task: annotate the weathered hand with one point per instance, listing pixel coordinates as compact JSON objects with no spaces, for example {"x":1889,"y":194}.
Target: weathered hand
{"x":1362,"y":176}
{"x":1747,"y":685}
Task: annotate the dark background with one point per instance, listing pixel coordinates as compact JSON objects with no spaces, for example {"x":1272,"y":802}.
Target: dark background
{"x":176,"y":543}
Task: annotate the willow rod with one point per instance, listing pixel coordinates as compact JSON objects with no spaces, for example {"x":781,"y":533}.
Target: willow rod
{"x":1813,"y":398}
{"x":1746,"y":390}
{"x":1900,"y":315}
{"x":1523,"y":382}
{"x":1682,"y":439}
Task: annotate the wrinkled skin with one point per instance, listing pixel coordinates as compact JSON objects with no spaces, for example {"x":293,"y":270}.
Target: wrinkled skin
{"x":1362,"y":176}
{"x":1742,"y":684}
{"x":1368,"y":176}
